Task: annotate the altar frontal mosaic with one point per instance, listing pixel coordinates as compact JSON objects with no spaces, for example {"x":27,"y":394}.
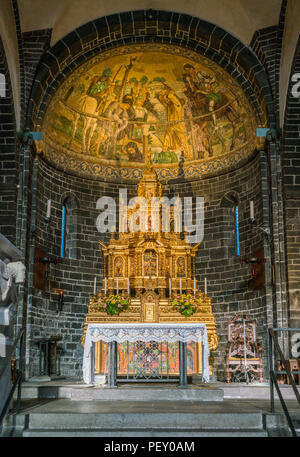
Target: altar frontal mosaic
{"x":182,"y":105}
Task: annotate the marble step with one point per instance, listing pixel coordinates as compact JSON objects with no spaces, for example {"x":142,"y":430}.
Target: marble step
{"x":146,"y":433}
{"x":57,"y":389}
{"x":170,"y":393}
{"x":145,"y":421}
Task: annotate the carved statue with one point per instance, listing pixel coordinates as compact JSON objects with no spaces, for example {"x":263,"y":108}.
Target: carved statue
{"x":11,"y":273}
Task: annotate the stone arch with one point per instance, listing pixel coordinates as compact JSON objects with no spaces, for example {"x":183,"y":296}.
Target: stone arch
{"x":139,"y":27}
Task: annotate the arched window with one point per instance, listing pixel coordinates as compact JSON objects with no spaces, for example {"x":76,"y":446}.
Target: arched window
{"x":231,"y":232}
{"x":237,"y":230}
{"x":69,"y":228}
{"x":63,"y":232}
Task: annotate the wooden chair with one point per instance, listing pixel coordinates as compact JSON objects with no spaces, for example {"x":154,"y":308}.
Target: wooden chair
{"x":243,"y":352}
{"x":294,"y":366}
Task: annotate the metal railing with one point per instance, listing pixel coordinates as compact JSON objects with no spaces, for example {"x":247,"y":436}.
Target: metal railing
{"x":273,"y":344}
{"x":19,"y":377}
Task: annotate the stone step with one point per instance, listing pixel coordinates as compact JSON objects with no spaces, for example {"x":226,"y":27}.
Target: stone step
{"x":145,"y":433}
{"x":47,"y":391}
{"x":65,"y":417}
{"x":144,"y":421}
{"x":192,"y":393}
{"x":230,"y":391}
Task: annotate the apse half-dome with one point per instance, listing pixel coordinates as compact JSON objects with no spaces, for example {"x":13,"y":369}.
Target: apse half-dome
{"x":181,"y":107}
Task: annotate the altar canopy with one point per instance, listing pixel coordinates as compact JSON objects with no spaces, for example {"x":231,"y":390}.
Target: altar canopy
{"x":157,"y":332}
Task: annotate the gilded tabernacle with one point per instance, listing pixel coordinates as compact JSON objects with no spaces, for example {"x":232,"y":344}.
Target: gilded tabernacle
{"x":149,"y":276}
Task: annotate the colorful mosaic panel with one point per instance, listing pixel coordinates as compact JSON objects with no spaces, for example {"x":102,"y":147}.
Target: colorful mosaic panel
{"x":186,"y":106}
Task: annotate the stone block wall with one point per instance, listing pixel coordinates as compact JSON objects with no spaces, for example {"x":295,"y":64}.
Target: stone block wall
{"x":229,"y":280}
{"x":291,"y":180}
{"x":8,"y":156}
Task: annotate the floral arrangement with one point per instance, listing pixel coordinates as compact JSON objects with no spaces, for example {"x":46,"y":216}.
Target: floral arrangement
{"x":186,"y":304}
{"x":114,"y":304}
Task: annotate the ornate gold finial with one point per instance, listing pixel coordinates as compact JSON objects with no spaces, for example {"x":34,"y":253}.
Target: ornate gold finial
{"x":147,"y":153}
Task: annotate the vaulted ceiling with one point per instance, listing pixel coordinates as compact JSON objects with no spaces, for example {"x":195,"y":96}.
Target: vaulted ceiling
{"x":240,"y":17}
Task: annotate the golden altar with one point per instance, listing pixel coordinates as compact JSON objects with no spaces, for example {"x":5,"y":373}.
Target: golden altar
{"x":150,"y":265}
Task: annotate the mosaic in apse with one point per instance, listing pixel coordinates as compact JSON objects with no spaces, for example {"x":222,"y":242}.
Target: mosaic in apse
{"x":185,"y":106}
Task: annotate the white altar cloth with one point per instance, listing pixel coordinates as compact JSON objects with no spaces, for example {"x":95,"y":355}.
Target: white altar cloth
{"x":143,"y":332}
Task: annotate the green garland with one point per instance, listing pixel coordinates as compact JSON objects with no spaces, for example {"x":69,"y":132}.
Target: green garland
{"x":114,"y":304}
{"x":186,"y":304}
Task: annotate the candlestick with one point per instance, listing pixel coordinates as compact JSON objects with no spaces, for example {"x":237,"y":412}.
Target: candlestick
{"x":205,"y":286}
{"x":180,"y":286}
{"x":60,"y":300}
{"x":48,"y":209}
{"x":128,"y":286}
{"x":105,"y":285}
{"x":117,"y":285}
{"x":251,"y":209}
{"x":170,"y":287}
{"x":95,"y":279}
{"x":195,"y":283}
{"x":245,"y":351}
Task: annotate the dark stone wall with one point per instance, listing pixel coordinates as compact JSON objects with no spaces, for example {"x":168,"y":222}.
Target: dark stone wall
{"x":266,"y":43}
{"x":8,"y":156}
{"x":291,"y":179}
{"x":34,"y":44}
{"x":229,"y":281}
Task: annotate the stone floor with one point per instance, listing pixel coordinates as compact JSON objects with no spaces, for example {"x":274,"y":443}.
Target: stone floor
{"x":121,"y":406}
{"x":47,"y":409}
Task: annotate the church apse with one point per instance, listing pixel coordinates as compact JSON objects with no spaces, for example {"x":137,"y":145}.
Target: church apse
{"x":181,"y":101}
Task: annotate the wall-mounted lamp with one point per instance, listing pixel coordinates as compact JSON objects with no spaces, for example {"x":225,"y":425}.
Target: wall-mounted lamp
{"x":47,"y":261}
{"x":252,"y":218}
{"x":252,"y":261}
